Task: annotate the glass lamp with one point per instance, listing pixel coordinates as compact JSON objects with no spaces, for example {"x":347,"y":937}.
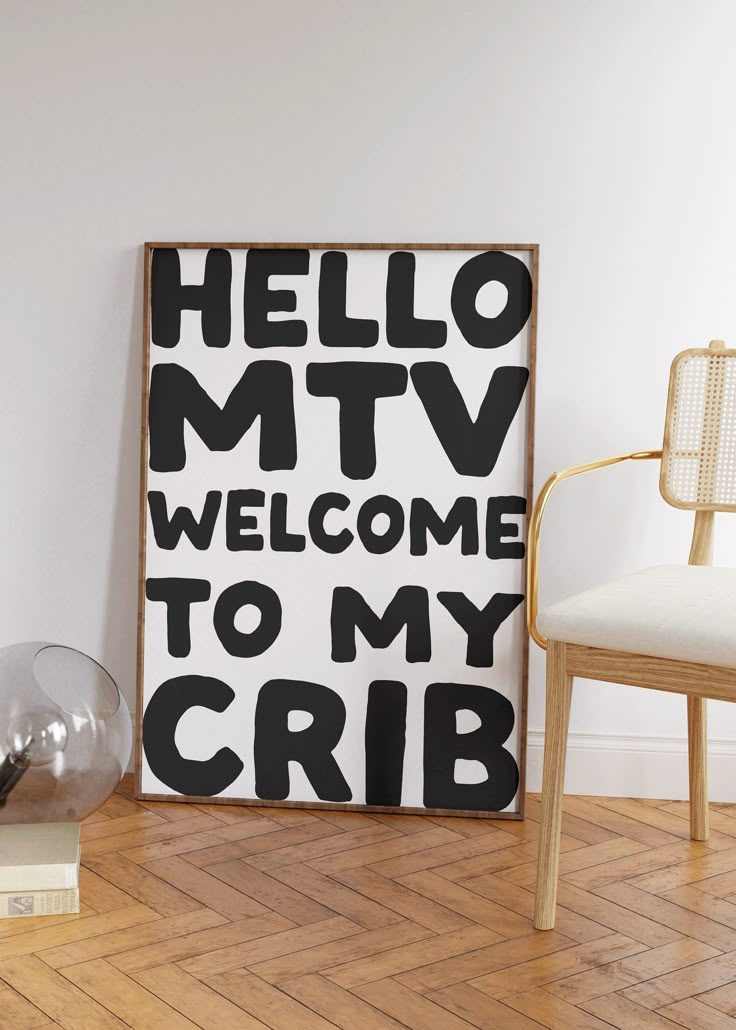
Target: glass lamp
{"x":65,"y":734}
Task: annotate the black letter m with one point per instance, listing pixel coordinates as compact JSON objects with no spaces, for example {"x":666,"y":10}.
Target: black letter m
{"x":408,"y":608}
{"x":265,"y":389}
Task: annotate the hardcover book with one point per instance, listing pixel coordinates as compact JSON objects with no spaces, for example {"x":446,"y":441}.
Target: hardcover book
{"x":39,"y":857}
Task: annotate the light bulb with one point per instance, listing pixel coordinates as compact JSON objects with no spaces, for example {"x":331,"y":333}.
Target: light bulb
{"x":39,"y":735}
{"x":34,"y":737}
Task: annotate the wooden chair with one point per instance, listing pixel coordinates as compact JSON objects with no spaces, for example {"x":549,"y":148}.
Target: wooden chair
{"x":666,"y":628}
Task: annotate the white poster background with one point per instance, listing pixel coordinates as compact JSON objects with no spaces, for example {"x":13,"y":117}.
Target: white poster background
{"x":410,"y":462}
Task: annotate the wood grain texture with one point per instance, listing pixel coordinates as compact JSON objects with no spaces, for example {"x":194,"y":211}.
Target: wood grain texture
{"x":701,"y":553}
{"x":654,"y":673}
{"x":559,"y":693}
{"x":383,"y":923}
{"x":697,"y":746}
{"x":701,"y":546}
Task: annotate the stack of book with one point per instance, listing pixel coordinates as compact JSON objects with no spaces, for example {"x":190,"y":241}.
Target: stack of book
{"x":39,"y":869}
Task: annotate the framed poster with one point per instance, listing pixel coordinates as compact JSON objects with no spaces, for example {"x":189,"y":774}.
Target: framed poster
{"x":336,"y":456}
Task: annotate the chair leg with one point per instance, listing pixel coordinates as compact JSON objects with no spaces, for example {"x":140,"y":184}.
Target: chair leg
{"x":559,"y":692}
{"x":697,"y":742}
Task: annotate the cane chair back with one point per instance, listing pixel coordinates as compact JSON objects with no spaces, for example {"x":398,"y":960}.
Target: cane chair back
{"x":698,"y":470}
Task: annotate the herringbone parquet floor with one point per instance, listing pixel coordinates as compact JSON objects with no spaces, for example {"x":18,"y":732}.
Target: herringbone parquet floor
{"x":223,"y":917}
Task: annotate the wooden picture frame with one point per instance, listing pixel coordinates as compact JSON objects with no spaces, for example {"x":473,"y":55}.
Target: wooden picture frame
{"x":531,"y":259}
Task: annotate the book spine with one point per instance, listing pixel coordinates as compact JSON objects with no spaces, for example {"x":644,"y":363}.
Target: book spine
{"x":38,"y":903}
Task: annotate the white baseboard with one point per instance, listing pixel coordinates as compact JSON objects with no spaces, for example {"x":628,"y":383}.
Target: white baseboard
{"x":635,"y":766}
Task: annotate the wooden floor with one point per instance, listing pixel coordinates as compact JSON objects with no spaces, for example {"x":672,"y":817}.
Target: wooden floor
{"x":222,"y":917}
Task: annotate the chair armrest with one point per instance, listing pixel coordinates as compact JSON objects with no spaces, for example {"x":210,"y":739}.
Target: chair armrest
{"x":535,"y":524}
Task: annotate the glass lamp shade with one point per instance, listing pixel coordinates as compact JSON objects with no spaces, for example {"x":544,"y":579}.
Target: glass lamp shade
{"x":66,"y":714}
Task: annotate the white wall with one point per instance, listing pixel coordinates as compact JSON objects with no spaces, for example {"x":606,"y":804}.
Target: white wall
{"x":602,"y":130}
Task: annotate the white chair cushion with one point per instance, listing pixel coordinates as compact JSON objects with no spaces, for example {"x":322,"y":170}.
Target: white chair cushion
{"x":685,"y":612}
